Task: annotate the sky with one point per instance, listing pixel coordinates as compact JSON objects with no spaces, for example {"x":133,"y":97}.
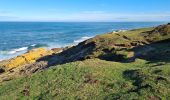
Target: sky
{"x":85,"y":10}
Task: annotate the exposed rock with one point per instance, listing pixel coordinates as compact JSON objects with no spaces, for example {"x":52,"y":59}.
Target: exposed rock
{"x":125,"y":37}
{"x":33,"y":61}
{"x":125,"y":45}
{"x":67,"y":47}
{"x":162,"y":30}
{"x":6,"y":78}
{"x":27,"y":58}
{"x":57,"y":50}
{"x":137,"y":43}
{"x":32,"y":68}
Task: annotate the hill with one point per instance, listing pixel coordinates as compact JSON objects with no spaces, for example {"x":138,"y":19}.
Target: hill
{"x":133,"y":64}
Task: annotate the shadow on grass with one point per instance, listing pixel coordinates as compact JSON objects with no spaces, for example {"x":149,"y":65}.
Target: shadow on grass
{"x":75,"y":53}
{"x":154,"y":53}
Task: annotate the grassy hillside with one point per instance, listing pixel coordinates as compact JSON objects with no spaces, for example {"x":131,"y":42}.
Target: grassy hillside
{"x":127,"y":65}
{"x":93,"y":79}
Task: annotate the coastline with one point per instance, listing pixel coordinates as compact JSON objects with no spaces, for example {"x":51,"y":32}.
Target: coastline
{"x":31,"y":36}
{"x":19,"y":51}
{"x":123,"y":58}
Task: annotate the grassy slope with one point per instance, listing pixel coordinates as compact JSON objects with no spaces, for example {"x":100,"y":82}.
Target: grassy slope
{"x":93,"y":79}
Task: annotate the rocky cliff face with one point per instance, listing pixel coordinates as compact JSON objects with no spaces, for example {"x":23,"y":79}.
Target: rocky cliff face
{"x":122,"y":46}
{"x":26,"y":63}
{"x":27,"y":58}
{"x":161,"y":32}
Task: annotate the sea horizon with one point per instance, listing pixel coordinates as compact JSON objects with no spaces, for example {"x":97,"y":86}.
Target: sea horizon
{"x":19,"y":37}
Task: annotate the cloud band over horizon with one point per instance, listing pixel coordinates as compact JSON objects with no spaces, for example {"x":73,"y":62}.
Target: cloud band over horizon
{"x":85,"y":11}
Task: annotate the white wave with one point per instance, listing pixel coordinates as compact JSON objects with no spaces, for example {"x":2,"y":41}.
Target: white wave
{"x":3,"y":52}
{"x":33,"y":45}
{"x":82,"y":39}
{"x":117,"y":31}
{"x":17,"y":50}
{"x":12,"y":53}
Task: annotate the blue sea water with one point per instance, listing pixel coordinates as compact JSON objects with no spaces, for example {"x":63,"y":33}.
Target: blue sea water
{"x":18,"y":37}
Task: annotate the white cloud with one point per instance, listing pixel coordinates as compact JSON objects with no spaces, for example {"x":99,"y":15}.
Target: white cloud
{"x":92,"y":16}
{"x":8,"y":18}
{"x":102,"y":16}
{"x":4,"y":12}
{"x":93,"y":12}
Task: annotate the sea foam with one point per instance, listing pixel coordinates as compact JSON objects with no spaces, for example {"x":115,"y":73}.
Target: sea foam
{"x":82,"y":39}
{"x":17,"y":50}
{"x":117,"y":31}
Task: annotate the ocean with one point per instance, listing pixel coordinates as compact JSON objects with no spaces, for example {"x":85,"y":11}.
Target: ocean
{"x":18,"y":37}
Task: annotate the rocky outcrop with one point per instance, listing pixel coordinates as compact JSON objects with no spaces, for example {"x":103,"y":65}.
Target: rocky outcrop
{"x":161,"y":32}
{"x":57,"y":50}
{"x":26,"y":64}
{"x":27,"y":58}
{"x":30,"y":57}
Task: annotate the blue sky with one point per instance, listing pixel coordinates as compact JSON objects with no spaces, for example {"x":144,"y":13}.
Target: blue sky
{"x":84,"y":10}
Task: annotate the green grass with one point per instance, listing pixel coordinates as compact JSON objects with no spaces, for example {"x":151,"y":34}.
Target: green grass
{"x":92,"y":79}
